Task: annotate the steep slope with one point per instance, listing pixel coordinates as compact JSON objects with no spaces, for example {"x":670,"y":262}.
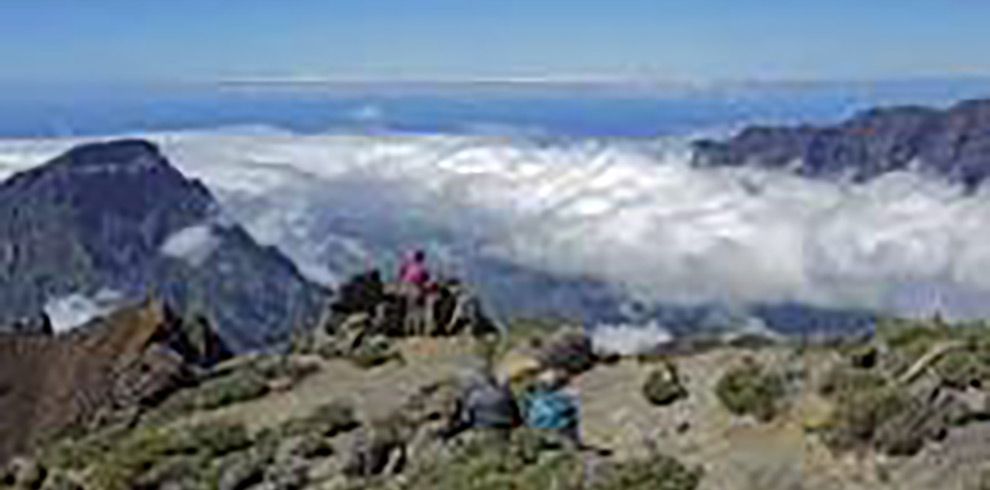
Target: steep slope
{"x":115,"y":219}
{"x":953,"y":143}
{"x":131,"y":357}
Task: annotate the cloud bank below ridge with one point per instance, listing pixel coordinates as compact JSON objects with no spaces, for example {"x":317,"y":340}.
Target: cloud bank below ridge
{"x":633,"y":215}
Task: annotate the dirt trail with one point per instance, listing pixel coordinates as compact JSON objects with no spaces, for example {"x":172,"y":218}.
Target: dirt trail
{"x":374,"y":392}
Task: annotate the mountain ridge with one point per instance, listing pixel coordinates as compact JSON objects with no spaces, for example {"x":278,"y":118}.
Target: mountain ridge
{"x":953,"y":143}
{"x":117,"y":217}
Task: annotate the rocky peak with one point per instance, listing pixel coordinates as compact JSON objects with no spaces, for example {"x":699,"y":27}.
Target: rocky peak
{"x":117,"y":216}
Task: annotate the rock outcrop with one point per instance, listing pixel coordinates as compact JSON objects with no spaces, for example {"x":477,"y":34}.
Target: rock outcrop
{"x":130,"y":359}
{"x":952,"y":143}
{"x":116,"y":219}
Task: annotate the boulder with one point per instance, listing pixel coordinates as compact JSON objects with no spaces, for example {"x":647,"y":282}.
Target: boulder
{"x":663,"y":385}
{"x":568,"y":350}
{"x":396,"y":310}
{"x":379,"y":449}
{"x":864,"y":357}
{"x":362,"y":293}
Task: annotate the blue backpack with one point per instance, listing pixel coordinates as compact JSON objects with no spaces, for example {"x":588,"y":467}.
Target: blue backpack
{"x":551,"y":410}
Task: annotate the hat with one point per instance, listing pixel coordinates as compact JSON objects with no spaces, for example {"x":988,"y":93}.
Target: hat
{"x":552,"y":379}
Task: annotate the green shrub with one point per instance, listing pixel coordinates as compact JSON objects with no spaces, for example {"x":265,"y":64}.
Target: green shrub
{"x":213,"y":439}
{"x":237,"y":386}
{"x":858,"y":415}
{"x":285,"y":367}
{"x":121,"y":467}
{"x":657,"y":473}
{"x":149,"y":456}
{"x":964,"y":368}
{"x":372,"y":354}
{"x":869,"y":410}
{"x":76,"y":452}
{"x":663,"y":385}
{"x":488,"y":463}
{"x":750,"y":389}
{"x":908,"y":333}
{"x":193,"y":472}
{"x":968,"y":364}
{"x":841,"y":381}
{"x":528,"y":462}
{"x":327,"y":420}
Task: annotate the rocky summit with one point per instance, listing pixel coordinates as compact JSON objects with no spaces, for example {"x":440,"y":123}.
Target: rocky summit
{"x":953,"y":143}
{"x":116,"y":220}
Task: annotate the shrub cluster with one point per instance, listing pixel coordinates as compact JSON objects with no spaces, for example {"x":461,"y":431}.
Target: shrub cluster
{"x":751,"y":389}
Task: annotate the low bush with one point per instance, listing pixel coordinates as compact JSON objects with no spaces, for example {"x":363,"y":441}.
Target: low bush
{"x":870,"y":410}
{"x":237,"y":386}
{"x":149,"y":457}
{"x":659,"y":472}
{"x":326,"y":420}
{"x":750,"y":389}
{"x":286,"y":367}
{"x":373,"y":354}
{"x":152,"y":455}
{"x":859,"y":413}
{"x":487,"y":463}
{"x":530,"y":461}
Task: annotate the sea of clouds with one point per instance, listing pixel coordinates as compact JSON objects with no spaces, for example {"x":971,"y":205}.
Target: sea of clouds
{"x":631,"y":214}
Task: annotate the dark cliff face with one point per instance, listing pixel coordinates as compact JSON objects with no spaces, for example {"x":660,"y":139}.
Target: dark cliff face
{"x":952,"y":143}
{"x":118,"y":217}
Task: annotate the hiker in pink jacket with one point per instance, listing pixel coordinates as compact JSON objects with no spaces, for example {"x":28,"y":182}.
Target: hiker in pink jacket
{"x":414,"y":284}
{"x":413,"y":270}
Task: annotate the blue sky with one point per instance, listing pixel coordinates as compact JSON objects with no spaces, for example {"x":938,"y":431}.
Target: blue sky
{"x":152,"y":40}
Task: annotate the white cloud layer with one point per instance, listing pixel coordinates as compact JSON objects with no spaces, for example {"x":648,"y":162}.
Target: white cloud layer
{"x":74,"y":310}
{"x":193,"y":244}
{"x":629,"y":340}
{"x":632,"y":214}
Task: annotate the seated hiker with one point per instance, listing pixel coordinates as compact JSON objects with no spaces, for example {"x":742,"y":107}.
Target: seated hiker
{"x":547,"y":407}
{"x":484,"y":404}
